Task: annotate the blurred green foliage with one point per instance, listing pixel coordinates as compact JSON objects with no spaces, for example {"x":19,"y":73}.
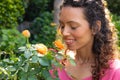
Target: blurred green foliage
{"x":11,"y":12}
{"x":114,"y":6}
{"x":116,"y":21}
{"x":11,"y":40}
{"x":42,"y":31}
{"x":37,"y":7}
{"x":39,"y":14}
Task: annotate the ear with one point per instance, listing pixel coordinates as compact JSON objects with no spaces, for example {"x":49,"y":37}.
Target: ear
{"x":97,"y":27}
{"x":98,"y":22}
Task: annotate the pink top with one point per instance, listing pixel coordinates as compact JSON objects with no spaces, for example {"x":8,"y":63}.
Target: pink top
{"x":111,"y":74}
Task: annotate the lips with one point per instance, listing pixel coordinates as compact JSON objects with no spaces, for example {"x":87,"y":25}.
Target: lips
{"x":69,"y":41}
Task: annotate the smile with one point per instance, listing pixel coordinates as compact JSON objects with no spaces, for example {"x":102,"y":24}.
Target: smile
{"x":68,"y":42}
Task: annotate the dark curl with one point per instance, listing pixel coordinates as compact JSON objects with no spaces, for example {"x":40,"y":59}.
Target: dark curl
{"x":103,"y":46}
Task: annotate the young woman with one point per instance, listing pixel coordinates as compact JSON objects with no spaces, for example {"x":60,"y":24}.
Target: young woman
{"x":86,"y":29}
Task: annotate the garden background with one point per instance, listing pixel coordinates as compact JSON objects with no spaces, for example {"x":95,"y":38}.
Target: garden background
{"x":40,"y":18}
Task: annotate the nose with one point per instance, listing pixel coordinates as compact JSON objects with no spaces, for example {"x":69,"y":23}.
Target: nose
{"x":66,"y":31}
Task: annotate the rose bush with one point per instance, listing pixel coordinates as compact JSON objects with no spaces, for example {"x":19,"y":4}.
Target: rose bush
{"x":34,"y":62}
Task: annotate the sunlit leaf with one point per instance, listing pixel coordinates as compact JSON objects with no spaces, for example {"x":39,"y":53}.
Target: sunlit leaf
{"x":27,"y":54}
{"x":11,"y":68}
{"x":22,"y":48}
{"x":3,"y":70}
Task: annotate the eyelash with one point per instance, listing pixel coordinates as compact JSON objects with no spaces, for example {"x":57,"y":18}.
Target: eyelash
{"x":62,"y":27}
{"x":73,"y":28}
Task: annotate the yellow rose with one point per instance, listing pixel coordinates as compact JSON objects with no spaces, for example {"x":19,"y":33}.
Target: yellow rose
{"x":26,"y":33}
{"x":53,"y":24}
{"x":41,"y":48}
{"x":59,"y":44}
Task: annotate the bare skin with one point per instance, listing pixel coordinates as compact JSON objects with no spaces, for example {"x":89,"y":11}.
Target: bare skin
{"x":78,"y":72}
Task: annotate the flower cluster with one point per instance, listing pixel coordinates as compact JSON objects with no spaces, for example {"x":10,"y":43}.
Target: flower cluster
{"x":42,"y":55}
{"x":41,"y":48}
{"x":34,"y":62}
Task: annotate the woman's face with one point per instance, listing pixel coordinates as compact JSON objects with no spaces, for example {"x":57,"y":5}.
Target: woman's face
{"x":75,"y":29}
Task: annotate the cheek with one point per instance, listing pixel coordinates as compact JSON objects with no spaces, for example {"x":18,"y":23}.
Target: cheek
{"x":79,"y":34}
{"x":82,"y":35}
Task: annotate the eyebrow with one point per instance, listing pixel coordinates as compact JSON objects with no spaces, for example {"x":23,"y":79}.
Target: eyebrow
{"x":70,"y":22}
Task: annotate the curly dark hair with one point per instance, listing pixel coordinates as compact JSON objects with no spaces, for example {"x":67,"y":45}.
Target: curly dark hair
{"x":103,"y":46}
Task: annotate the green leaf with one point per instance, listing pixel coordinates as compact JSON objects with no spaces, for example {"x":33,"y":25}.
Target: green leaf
{"x":50,"y":78}
{"x":20,"y":61}
{"x":45,"y":72}
{"x":23,"y":76}
{"x":22,"y":48}
{"x":26,"y":67}
{"x":72,"y":61}
{"x":27,"y":54}
{"x":11,"y":68}
{"x":43,"y":62}
{"x":3,"y":70}
{"x":59,"y":57}
{"x":54,"y":62}
{"x":8,"y":61}
{"x":32,"y":77}
{"x":35,"y":59}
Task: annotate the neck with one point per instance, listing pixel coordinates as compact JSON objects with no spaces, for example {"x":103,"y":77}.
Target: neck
{"x":84,"y":57}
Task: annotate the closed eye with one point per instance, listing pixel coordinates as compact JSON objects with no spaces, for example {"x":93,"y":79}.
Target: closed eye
{"x":73,"y":28}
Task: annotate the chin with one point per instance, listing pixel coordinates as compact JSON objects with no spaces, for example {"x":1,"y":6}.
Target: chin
{"x":71,"y":48}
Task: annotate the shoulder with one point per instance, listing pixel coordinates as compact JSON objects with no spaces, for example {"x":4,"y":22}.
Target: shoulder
{"x":116,"y":75}
{"x":116,"y":69}
{"x":113,"y":73}
{"x":114,"y":64}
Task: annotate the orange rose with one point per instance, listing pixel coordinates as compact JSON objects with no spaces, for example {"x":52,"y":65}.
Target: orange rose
{"x":41,"y":48}
{"x":59,"y":44}
{"x":26,"y":33}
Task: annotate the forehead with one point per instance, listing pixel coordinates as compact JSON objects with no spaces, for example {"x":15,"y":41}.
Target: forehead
{"x":71,"y":13}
